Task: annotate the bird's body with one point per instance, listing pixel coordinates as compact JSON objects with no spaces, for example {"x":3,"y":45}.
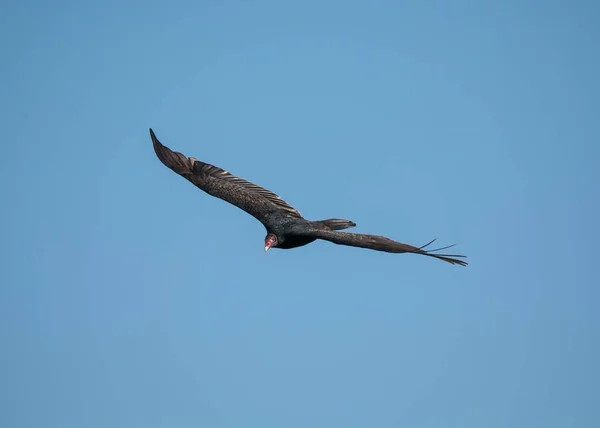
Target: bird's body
{"x":286,"y":228}
{"x":290,"y":232}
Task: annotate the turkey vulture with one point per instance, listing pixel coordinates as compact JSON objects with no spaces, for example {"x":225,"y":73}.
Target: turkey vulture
{"x":286,"y":228}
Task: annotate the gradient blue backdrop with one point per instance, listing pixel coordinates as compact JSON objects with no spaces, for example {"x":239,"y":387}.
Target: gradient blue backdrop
{"x":131,"y":299}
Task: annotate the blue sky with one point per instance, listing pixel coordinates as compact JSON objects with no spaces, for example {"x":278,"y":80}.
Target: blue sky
{"x":129,"y":298}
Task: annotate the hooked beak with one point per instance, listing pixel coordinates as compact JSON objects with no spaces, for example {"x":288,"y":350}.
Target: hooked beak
{"x":270,"y":241}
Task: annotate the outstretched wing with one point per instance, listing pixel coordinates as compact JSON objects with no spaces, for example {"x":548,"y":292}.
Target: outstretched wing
{"x":256,"y":201}
{"x":380,"y":243}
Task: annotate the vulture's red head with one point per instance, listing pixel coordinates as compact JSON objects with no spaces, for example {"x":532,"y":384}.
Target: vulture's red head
{"x":270,"y":241}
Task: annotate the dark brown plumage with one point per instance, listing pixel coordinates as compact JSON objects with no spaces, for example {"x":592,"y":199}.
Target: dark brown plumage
{"x":286,"y":228}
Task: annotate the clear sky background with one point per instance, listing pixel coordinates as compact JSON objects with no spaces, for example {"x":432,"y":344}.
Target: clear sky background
{"x":129,"y":298}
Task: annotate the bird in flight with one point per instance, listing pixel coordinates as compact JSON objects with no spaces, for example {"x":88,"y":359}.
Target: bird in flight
{"x":286,"y":228}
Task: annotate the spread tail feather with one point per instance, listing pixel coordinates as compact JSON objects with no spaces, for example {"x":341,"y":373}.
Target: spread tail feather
{"x":336,"y":223}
